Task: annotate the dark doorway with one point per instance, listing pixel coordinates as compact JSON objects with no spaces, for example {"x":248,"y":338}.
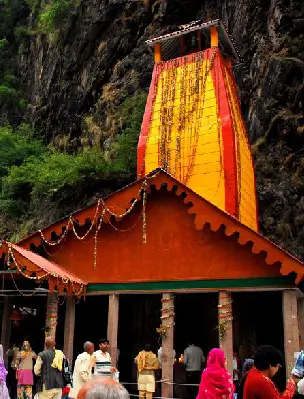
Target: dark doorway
{"x":91,"y":321}
{"x":31,"y":327}
{"x":257,"y":320}
{"x":139,"y":316}
{"x":196,"y":320}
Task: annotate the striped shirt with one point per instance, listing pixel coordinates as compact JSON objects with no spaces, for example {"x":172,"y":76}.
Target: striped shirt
{"x":103,"y":364}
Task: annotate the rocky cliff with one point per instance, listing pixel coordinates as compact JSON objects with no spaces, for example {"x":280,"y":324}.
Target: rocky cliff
{"x":76,"y":75}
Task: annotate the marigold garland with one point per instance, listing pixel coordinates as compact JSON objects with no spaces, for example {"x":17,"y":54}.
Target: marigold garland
{"x":225,"y":318}
{"x":101,"y":213}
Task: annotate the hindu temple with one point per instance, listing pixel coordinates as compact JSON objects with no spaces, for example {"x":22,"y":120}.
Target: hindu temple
{"x":176,"y":255}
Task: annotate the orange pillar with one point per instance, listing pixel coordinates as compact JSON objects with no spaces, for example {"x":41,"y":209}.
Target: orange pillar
{"x":157,"y":53}
{"x":214,"y":36}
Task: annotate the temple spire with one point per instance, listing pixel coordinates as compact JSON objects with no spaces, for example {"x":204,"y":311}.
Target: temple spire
{"x":192,"y":126}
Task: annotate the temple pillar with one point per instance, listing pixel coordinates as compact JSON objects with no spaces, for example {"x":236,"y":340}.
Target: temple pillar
{"x":51,"y":315}
{"x":113,"y":326}
{"x":6,"y":326}
{"x":291,"y":328}
{"x":301,"y":322}
{"x":225,"y":327}
{"x":69,"y":328}
{"x":157,"y":53}
{"x":167,"y":344}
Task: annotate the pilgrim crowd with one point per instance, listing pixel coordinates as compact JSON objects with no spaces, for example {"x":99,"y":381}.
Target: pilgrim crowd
{"x":94,"y":376}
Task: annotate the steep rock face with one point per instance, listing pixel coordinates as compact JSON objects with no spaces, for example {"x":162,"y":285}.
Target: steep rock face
{"x":75,"y":85}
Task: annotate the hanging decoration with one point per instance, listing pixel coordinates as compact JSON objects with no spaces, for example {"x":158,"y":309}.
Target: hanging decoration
{"x":225,"y":318}
{"x":36,"y":268}
{"x":167,"y":313}
{"x":102,"y":215}
{"x":181,"y":130}
{"x":51,"y":319}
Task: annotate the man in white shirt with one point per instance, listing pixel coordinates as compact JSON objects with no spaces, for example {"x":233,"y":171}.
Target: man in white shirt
{"x":102,"y":360}
{"x":83,"y":367}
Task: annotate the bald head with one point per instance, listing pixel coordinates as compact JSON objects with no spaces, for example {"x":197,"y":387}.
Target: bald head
{"x":103,"y":388}
{"x":49,"y":342}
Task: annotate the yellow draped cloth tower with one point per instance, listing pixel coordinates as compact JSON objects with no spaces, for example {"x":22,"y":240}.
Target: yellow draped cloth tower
{"x":193,"y":127}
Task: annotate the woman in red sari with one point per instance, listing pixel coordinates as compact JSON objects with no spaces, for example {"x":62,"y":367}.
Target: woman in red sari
{"x":258,"y":384}
{"x":216,"y":382}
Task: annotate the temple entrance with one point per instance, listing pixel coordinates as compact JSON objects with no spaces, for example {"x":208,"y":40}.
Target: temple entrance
{"x":196,"y":320}
{"x":258,"y":320}
{"x":139,"y":316}
{"x":91,"y":321}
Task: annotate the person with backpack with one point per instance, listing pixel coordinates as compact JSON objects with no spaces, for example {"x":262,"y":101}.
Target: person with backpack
{"x":53,"y":369}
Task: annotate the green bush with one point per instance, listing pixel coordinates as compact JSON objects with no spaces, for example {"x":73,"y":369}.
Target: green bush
{"x":10,"y":96}
{"x":43,"y":173}
{"x":32,"y":174}
{"x":130,"y":113}
{"x":16,"y":146}
{"x":55,"y":15}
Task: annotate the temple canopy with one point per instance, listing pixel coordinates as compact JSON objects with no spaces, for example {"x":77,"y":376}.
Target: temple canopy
{"x":170,"y":44}
{"x":34,"y":267}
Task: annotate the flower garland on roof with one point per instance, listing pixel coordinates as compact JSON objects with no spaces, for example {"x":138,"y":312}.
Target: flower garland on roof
{"x":11,"y":259}
{"x":101,"y":213}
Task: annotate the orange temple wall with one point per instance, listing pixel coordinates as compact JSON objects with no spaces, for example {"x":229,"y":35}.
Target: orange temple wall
{"x":175,"y":249}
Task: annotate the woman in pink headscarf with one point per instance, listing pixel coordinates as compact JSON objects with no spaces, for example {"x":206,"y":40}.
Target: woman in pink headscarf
{"x":216,"y":382}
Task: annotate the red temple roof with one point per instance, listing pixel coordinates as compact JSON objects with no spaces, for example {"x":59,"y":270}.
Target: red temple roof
{"x":204,"y":211}
{"x":36,"y":267}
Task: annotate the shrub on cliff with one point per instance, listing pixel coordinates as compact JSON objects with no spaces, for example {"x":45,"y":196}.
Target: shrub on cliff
{"x":29,"y":171}
{"x":130,"y":113}
{"x":55,"y":15}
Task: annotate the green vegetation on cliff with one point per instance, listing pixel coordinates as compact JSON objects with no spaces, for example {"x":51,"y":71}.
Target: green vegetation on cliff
{"x":55,"y":14}
{"x":33,"y":174}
